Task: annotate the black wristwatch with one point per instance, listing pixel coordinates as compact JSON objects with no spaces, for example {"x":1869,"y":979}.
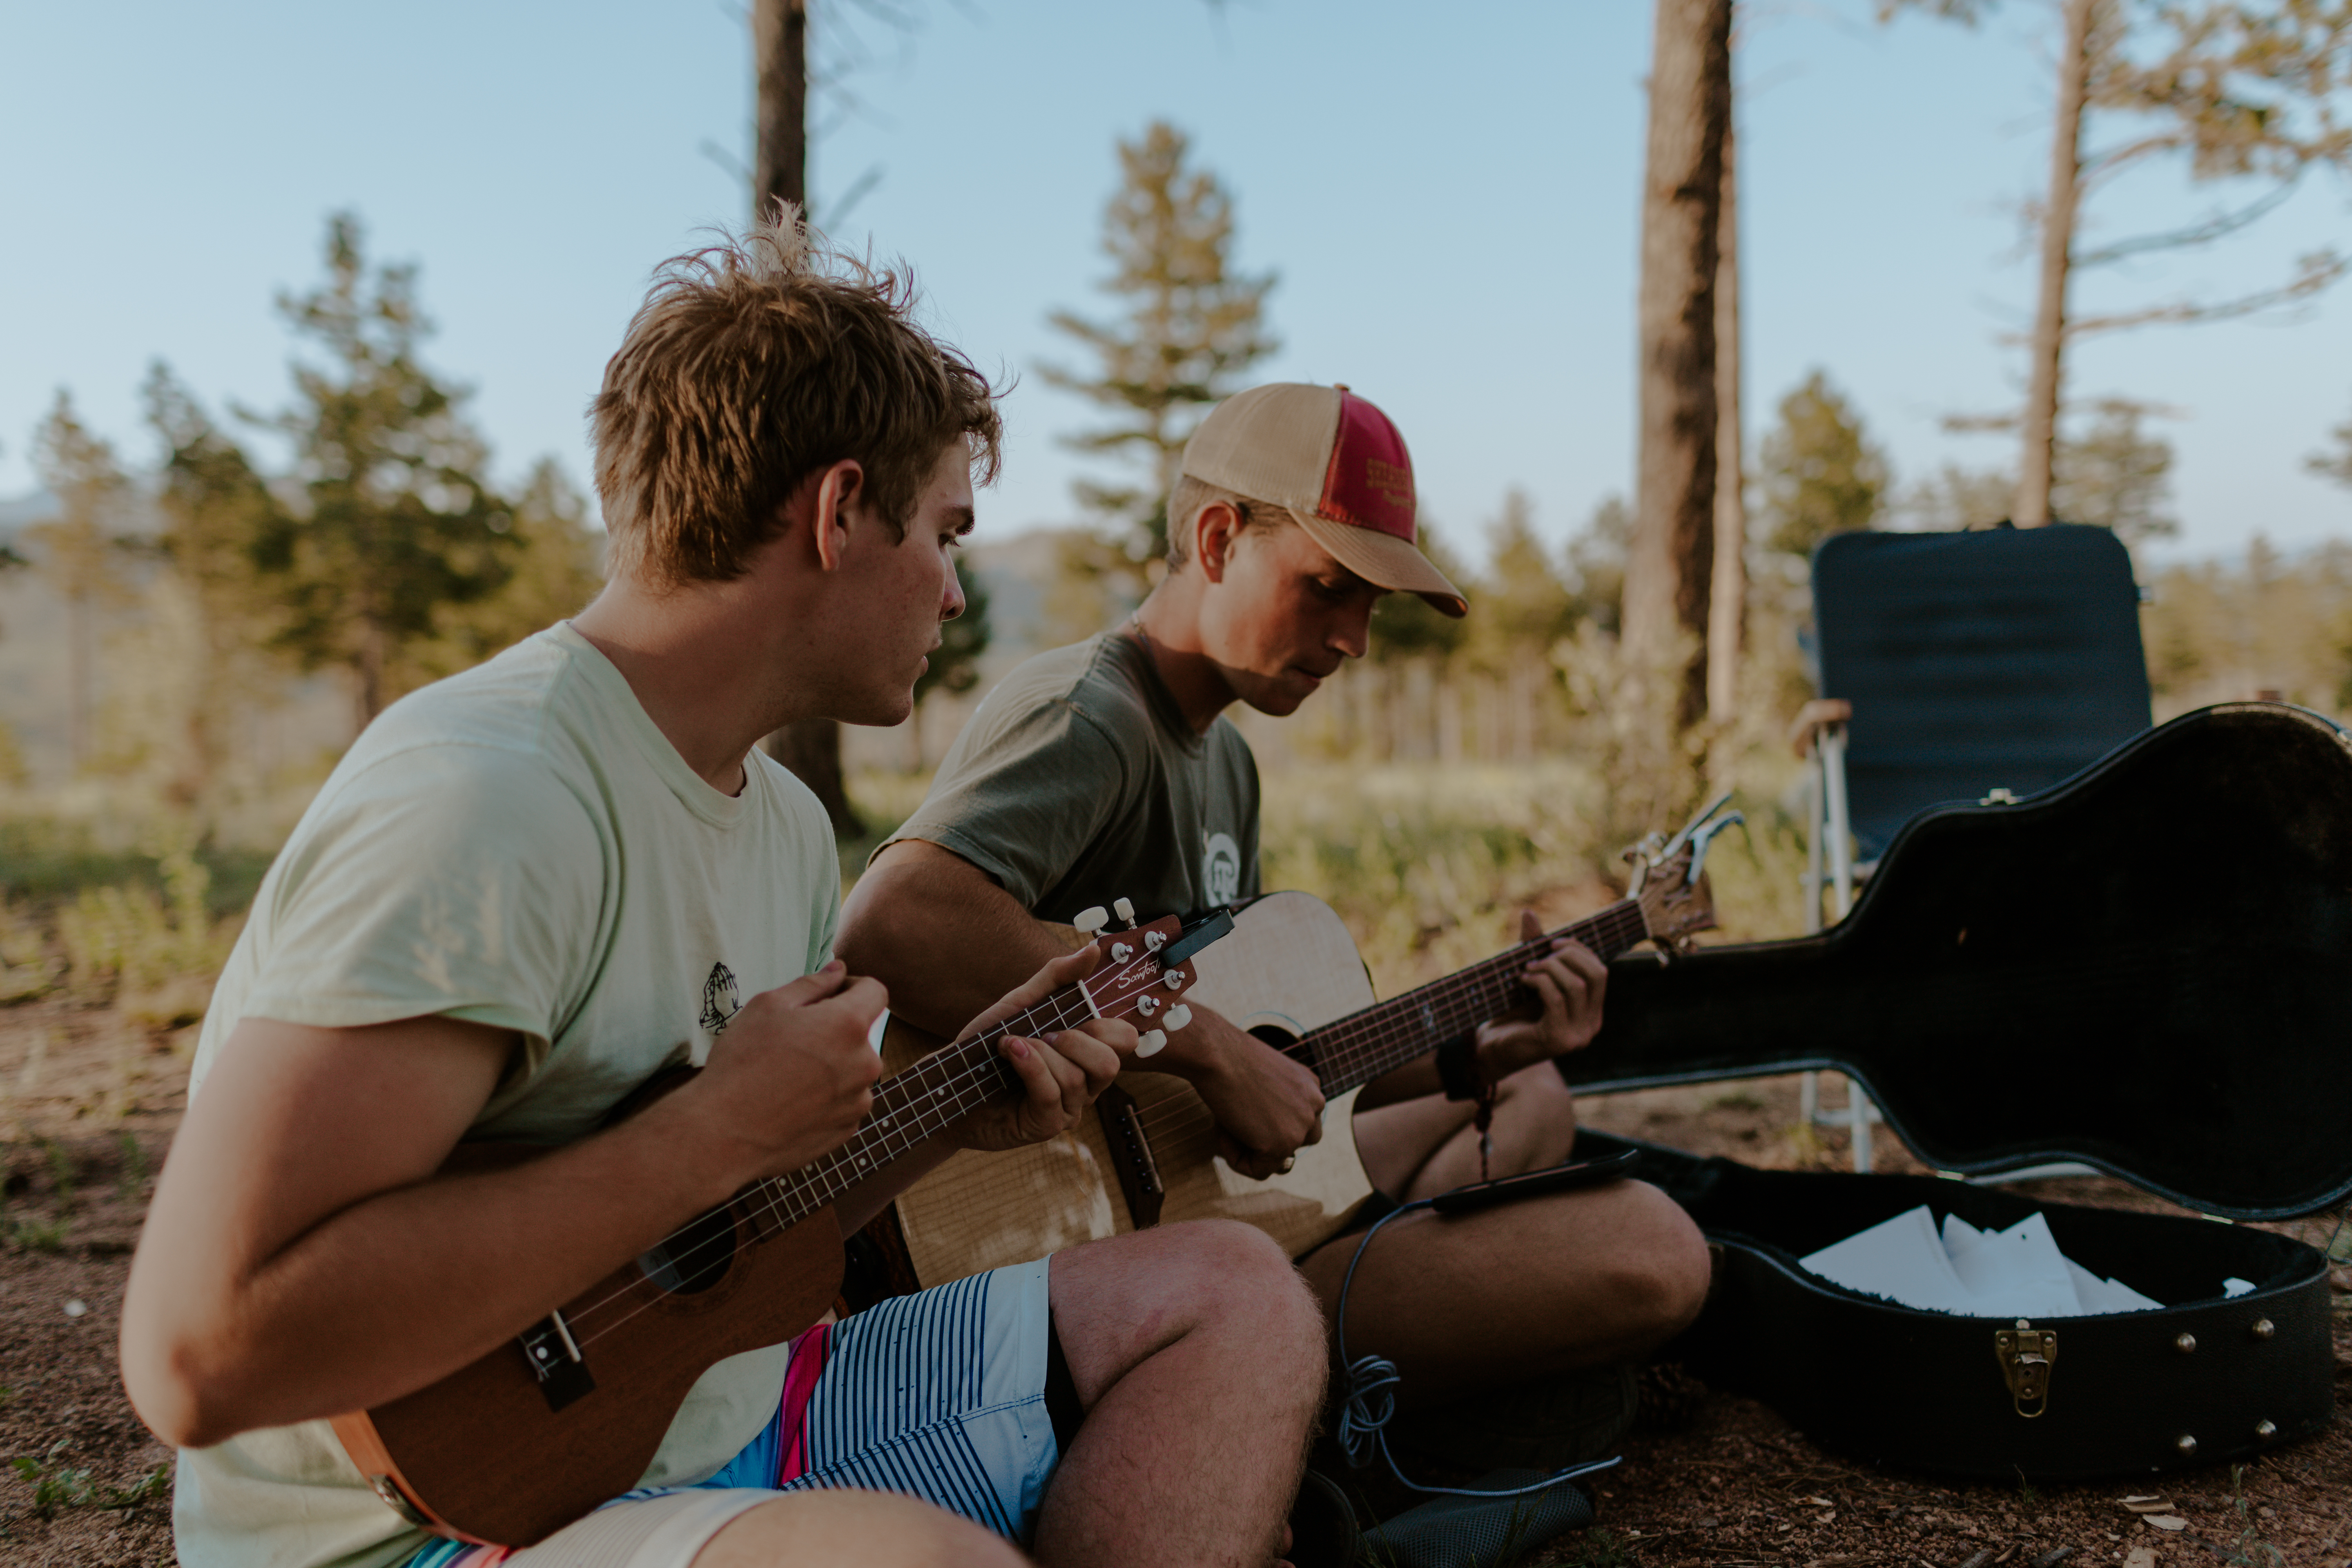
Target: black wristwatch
{"x":1457,"y":1069}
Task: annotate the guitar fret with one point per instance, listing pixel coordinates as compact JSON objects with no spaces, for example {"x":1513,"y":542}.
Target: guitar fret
{"x":1356,"y":1049}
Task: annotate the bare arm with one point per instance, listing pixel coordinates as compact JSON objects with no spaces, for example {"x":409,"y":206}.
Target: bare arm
{"x":941,"y":935}
{"x":303,"y":1257}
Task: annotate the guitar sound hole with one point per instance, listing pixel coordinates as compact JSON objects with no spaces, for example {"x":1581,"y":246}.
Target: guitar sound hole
{"x":694,"y":1260}
{"x":1274,"y":1034}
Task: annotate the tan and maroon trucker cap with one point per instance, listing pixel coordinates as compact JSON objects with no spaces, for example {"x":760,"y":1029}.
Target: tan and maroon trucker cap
{"x":1337,"y":466}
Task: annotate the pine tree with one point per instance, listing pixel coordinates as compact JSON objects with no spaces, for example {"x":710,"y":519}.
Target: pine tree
{"x":1191,"y":328}
{"x":2239,"y":90}
{"x":1821,"y":475}
{"x":1523,"y":606}
{"x":398,"y":518}
{"x":81,"y":551}
{"x":217,"y":511}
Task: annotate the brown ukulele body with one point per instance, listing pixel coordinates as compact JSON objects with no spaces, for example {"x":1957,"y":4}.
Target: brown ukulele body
{"x":501,"y":1465}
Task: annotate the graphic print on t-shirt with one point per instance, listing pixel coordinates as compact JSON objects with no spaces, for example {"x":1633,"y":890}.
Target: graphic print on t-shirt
{"x":1221,"y":869}
{"x":718,"y":1000}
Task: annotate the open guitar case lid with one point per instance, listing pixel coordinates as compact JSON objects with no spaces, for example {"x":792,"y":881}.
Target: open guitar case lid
{"x":2146,"y":968}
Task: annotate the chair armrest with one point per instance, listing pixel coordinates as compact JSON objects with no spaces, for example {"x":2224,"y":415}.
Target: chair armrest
{"x":1813,"y":718}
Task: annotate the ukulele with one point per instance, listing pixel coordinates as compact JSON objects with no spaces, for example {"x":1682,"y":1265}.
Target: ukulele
{"x":568,"y":1414}
{"x":1293,"y":978}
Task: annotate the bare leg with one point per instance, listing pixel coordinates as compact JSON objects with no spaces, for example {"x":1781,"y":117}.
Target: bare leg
{"x":1419,"y":1147}
{"x":1198,"y":1356}
{"x":853,"y":1529}
{"x":1542,"y":1286}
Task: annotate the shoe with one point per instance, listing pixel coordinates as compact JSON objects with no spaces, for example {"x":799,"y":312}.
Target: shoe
{"x":1544,"y":1426}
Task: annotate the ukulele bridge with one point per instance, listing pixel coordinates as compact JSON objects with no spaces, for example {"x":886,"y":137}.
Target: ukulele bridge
{"x":555,"y":1360}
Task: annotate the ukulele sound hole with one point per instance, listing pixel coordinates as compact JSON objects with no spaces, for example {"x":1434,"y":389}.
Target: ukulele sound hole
{"x":694,"y":1260}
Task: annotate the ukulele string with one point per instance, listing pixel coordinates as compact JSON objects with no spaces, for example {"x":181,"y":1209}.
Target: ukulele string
{"x":806,"y":1189}
{"x":774,"y":1195}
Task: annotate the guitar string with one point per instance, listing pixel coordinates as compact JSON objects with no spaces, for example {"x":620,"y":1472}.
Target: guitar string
{"x":786,"y":1200}
{"x":1359,"y":1048}
{"x":968,"y":1061}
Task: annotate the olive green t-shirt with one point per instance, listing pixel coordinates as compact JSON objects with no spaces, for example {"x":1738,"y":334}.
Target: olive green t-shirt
{"x":1077,"y":780}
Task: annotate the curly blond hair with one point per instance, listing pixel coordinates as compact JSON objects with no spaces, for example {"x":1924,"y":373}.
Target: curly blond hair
{"x":754,"y":363}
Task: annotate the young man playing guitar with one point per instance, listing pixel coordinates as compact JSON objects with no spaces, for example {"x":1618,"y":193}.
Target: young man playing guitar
{"x":1106,"y":767}
{"x":529,"y":888}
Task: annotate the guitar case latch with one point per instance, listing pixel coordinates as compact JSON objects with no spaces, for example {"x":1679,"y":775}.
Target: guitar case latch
{"x":2026,"y":1355}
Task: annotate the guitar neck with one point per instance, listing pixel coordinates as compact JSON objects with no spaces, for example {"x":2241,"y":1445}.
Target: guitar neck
{"x":1359,"y":1048}
{"x":915,"y":1106}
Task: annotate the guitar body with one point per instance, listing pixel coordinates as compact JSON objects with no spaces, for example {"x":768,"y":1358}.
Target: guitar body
{"x":1288,"y":967}
{"x":501,"y":1465}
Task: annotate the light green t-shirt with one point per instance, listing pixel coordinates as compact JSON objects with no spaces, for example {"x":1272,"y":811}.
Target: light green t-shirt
{"x":1077,"y":782}
{"x":517,"y":845}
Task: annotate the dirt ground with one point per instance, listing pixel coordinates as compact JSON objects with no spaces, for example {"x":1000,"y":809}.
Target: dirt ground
{"x":88,"y":1101}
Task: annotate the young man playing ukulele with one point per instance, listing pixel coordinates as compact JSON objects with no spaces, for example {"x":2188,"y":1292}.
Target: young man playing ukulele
{"x":529,"y":888}
{"x":1106,"y":768}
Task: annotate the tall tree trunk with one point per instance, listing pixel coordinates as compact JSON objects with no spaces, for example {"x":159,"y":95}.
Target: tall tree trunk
{"x":780,"y":54}
{"x":811,"y":748}
{"x":2032,"y":507}
{"x":1671,"y":559}
{"x":1727,"y":595}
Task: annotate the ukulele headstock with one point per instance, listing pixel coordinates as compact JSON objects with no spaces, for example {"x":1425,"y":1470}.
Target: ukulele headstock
{"x":1147,"y":969}
{"x":1670,"y":878}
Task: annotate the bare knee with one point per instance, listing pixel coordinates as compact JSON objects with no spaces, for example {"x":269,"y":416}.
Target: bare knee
{"x":848,"y":1528}
{"x":1237,"y":1272}
{"x":1122,"y":1299}
{"x":1662,"y":1269}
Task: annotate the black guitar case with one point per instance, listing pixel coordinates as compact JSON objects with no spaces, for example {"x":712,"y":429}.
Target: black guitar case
{"x":2148,"y":969}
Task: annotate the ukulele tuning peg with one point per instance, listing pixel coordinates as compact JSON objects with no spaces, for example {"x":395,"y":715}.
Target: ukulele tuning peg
{"x":1093,"y":920}
{"x":1173,"y":980}
{"x":1179,"y":1015}
{"x":1125,"y":910}
{"x":1150,"y":1043}
{"x":1153,"y":941}
{"x":1120,"y":953}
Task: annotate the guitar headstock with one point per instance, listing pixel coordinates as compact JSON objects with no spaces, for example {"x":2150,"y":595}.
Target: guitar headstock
{"x":1670,"y":879}
{"x":1146,"y":970}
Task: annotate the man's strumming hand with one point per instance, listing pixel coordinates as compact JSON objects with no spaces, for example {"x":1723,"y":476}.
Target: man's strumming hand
{"x":1268,"y":1105}
{"x":1060,"y":1074}
{"x":793,"y":1074}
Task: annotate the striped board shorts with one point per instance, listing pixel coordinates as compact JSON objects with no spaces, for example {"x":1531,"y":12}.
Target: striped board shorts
{"x":941,"y":1395}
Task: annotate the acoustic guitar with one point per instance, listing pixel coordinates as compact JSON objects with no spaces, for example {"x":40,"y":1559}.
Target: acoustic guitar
{"x":542,"y":1429}
{"x":1291,"y":976}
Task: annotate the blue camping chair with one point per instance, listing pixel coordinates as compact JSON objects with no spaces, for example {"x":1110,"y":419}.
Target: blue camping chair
{"x":1978,"y":666}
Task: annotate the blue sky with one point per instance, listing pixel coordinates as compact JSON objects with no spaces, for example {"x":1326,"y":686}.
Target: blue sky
{"x":1449,"y":194}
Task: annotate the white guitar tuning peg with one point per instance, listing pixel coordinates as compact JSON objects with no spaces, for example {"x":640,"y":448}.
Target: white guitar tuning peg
{"x":1092,"y":920}
{"x":1173,"y":980}
{"x":1153,"y":941}
{"x":1120,"y":953}
{"x":1150,"y":1043}
{"x":1123,"y":910}
{"x":1179,"y":1015}
{"x":1148,"y":1005}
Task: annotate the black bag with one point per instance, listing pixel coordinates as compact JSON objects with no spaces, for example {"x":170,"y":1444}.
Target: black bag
{"x":2148,"y":968}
